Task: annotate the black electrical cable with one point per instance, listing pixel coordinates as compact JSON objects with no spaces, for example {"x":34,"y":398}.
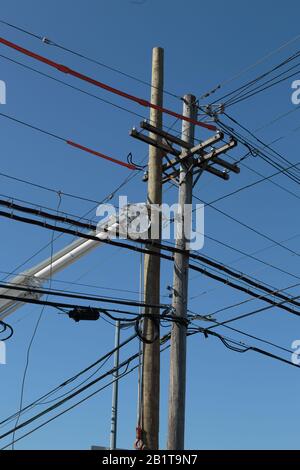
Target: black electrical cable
{"x":72,"y":379}
{"x":259,"y":90}
{"x":34,"y":333}
{"x":71,"y":407}
{"x":211,"y":238}
{"x":74,"y":295}
{"x":91,"y":226}
{"x":8,"y":327}
{"x":248,"y":227}
{"x":260,"y":141}
{"x":141,"y":250}
{"x":249,"y":335}
{"x":246,"y":315}
{"x":258,"y":78}
{"x":45,"y":188}
{"x":70,"y":396}
{"x":243,"y":347}
{"x":42,"y":213}
{"x":228,"y":342}
{"x":271,"y":159}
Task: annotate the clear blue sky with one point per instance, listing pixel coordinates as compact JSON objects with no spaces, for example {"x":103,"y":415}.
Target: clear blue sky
{"x":233,"y":400}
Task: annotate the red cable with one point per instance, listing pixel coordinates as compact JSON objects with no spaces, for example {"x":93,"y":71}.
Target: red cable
{"x":98,"y":154}
{"x":67,"y":70}
{"x":70,"y":142}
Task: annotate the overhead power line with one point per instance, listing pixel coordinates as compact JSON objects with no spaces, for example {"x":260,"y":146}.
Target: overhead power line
{"x":80,"y":90}
{"x":71,"y":143}
{"x":70,"y":396}
{"x":237,"y":346}
{"x":204,"y":259}
{"x":64,"y":69}
{"x":81,"y":296}
{"x":250,"y":67}
{"x":260,"y":77}
{"x":278,"y":155}
{"x":70,"y":380}
{"x":48,"y":41}
{"x":228,"y":342}
{"x":204,"y":271}
{"x":110,"y":196}
{"x":248,"y":314}
{"x":265,"y":86}
{"x":120,"y":377}
{"x":247,"y":226}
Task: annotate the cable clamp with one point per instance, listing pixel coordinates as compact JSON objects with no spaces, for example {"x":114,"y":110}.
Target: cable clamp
{"x":45,"y":40}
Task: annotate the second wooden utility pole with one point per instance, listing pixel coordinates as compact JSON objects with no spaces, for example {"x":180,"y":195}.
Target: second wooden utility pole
{"x":180,"y":293}
{"x":151,"y":351}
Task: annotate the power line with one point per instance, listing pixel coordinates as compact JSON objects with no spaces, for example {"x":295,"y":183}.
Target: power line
{"x":209,"y":262}
{"x":229,"y":307}
{"x":249,"y":335}
{"x":248,"y":227}
{"x":64,"y":69}
{"x":164,"y":256}
{"x":91,"y":226}
{"x":42,"y":213}
{"x":238,"y":250}
{"x":250,"y":256}
{"x":79,"y":296}
{"x":274,"y":183}
{"x":63,"y":215}
{"x":254,"y":183}
{"x":110,"y":196}
{"x":248,"y":84}
{"x":210,"y":204}
{"x":70,"y":142}
{"x":83,"y":56}
{"x":250,"y":67}
{"x":241,"y":347}
{"x":78,"y":284}
{"x":249,"y":314}
{"x":228,"y":342}
{"x":60,"y":305}
{"x":277,"y":118}
{"x":254,"y":150}
{"x":268,"y":146}
{"x":34,"y":333}
{"x":73,"y":87}
{"x":91,"y":395}
{"x":72,"y":407}
{"x":71,"y":379}
{"x":261,"y":88}
{"x":70,"y":396}
{"x":61,"y":82}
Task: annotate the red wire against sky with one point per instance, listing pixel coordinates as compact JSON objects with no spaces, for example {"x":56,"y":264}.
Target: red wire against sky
{"x":64,"y":69}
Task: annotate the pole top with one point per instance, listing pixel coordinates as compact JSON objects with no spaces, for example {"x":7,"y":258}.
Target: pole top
{"x":189,"y":98}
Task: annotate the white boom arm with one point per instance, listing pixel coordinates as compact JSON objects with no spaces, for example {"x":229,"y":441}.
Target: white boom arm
{"x":38,"y":275}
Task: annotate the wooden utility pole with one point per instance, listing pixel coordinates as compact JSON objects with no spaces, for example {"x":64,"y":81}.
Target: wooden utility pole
{"x":151,"y":352}
{"x":180,"y":293}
